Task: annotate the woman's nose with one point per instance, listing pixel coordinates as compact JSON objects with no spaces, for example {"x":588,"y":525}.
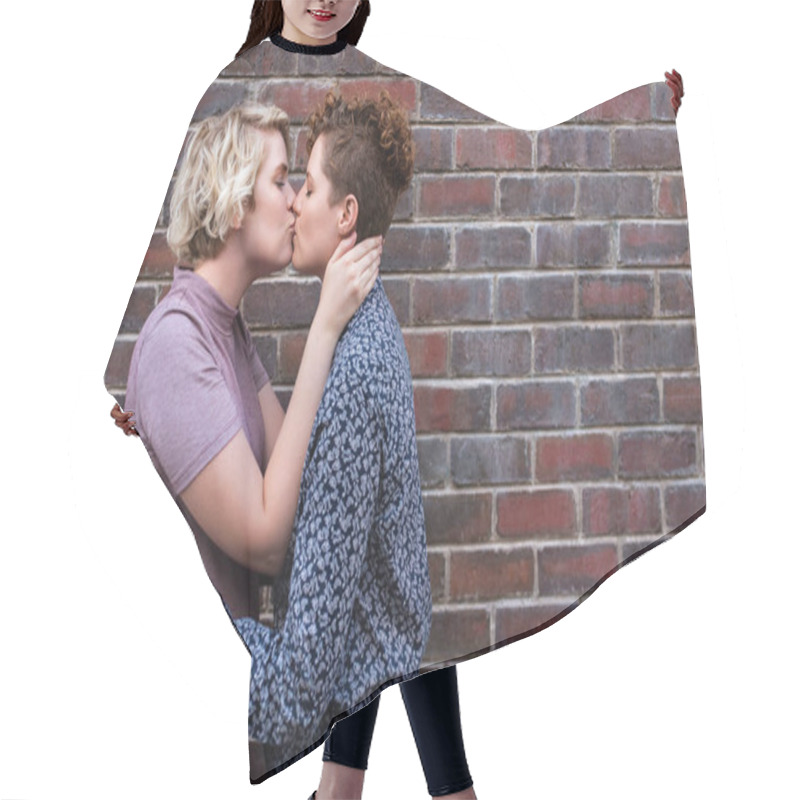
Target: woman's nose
{"x":291,"y":195}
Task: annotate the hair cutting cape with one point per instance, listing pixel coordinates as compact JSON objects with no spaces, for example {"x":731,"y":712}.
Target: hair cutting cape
{"x":542,"y":283}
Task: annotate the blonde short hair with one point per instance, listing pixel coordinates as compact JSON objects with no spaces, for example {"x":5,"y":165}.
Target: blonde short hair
{"x":216,"y":178}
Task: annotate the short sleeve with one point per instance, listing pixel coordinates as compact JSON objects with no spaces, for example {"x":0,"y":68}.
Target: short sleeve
{"x":183,"y":407}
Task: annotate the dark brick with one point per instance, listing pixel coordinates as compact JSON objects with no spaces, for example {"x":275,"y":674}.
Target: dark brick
{"x":219,"y":97}
{"x":491,"y":574}
{"x":463,"y":518}
{"x":682,"y":501}
{"x":583,"y":457}
{"x":490,"y":353}
{"x":573,"y":349}
{"x":275,"y":304}
{"x":455,"y":196}
{"x":141,"y":302}
{"x":646,"y":148}
{"x":565,"y":244}
{"x":159,"y":261}
{"x":263,"y":59}
{"x":402,"y":90}
{"x":398,"y":292}
{"x":404,"y":210}
{"x":436,"y":105}
{"x":615,"y":296}
{"x":267,"y":349}
{"x":284,"y":395}
{"x":446,"y":409}
{"x":452,"y":300}
{"x":519,"y":620}
{"x":493,"y":148}
{"x":682,"y":400}
{"x":434,"y":461}
{"x":632,"y":106}
{"x":564,"y":147}
{"x":621,"y":510}
{"x":298,"y":98}
{"x":539,"y":514}
{"x":427,"y":353}
{"x":290,"y":354}
{"x":415,"y":249}
{"x":116,"y":375}
{"x":632,"y":549}
{"x":612,"y":196}
{"x":662,"y":103}
{"x":668,"y":346}
{"x":436,"y":570}
{"x":457,"y":633}
{"x":671,"y":196}
{"x":649,"y":454}
{"x":537,"y":196}
{"x":497,"y":246}
{"x":489,"y":460}
{"x":565,"y":570}
{"x":433,"y":149}
{"x":676,"y":298}
{"x":349,"y":62}
{"x":656,"y":243}
{"x":622,"y":401}
{"x":535,"y":297}
{"x":535,"y":405}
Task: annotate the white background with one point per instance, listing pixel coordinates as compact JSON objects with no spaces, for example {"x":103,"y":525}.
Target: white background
{"x":121,"y":677}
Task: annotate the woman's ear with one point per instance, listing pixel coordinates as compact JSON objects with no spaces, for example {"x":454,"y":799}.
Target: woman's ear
{"x":348,"y":216}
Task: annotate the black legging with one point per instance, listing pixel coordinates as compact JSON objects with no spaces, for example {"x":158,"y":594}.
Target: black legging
{"x":432,"y":707}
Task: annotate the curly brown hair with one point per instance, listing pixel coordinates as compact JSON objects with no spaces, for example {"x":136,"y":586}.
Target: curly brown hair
{"x":369,"y":153}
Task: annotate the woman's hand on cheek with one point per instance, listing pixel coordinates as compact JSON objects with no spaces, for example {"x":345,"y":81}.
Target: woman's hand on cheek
{"x":349,"y":277}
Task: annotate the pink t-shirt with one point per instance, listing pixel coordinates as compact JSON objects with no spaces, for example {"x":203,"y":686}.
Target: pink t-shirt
{"x":193,"y":384}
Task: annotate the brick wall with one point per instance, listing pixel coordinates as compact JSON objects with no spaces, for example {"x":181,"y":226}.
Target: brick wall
{"x":543,"y":283}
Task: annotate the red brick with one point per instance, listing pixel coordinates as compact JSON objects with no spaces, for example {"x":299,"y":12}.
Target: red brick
{"x":415,"y":249}
{"x":298,"y":98}
{"x":537,"y":196}
{"x":159,"y":261}
{"x":219,"y":97}
{"x":457,"y":633}
{"x":615,"y":297}
{"x":436,"y":105}
{"x":621,"y":401}
{"x":491,"y":574}
{"x":683,"y":501}
{"x":434,"y":461}
{"x":565,"y":244}
{"x":349,"y":61}
{"x":662,"y":103}
{"x":573,"y":349}
{"x":574,"y":458}
{"x":290,"y":354}
{"x":661,"y":455}
{"x":263,"y":59}
{"x":436,"y":570}
{"x":535,"y":297}
{"x":633,"y":549}
{"x":446,"y":409}
{"x":646,"y":148}
{"x":427,"y":353}
{"x":433,"y":149}
{"x":451,"y":300}
{"x":455,"y":196}
{"x":538,"y":514}
{"x":402,"y":90}
{"x":300,"y":153}
{"x":613,"y":196}
{"x":671,"y":196}
{"x":563,"y":147}
{"x":267,"y":348}
{"x":281,"y":303}
{"x":116,"y":376}
{"x":621,"y":510}
{"x":632,"y":106}
{"x":404,"y":210}
{"x":493,"y":148}
{"x":676,"y":298}
{"x":463,"y":518}
{"x":518,"y":621}
{"x":682,"y":400}
{"x":493,"y":247}
{"x":141,"y":302}
{"x":398,"y":293}
{"x":494,"y":353}
{"x":667,"y":346}
{"x":565,"y":570}
{"x":535,"y":405}
{"x":489,"y":460}
{"x":656,"y":243}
